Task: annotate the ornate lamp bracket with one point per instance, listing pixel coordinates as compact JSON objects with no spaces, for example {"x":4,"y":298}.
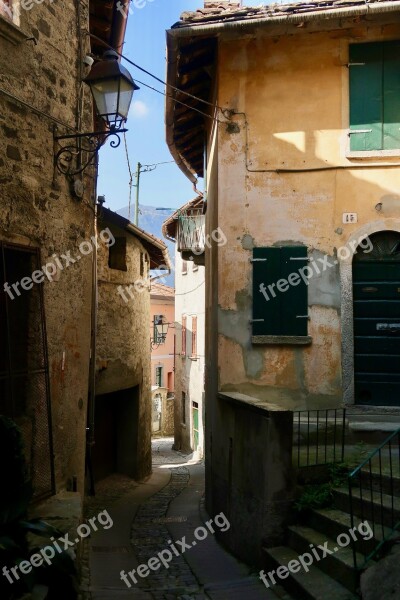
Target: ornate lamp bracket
{"x":79,"y":150}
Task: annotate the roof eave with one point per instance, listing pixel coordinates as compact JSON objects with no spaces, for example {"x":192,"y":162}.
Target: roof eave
{"x":172,"y":50}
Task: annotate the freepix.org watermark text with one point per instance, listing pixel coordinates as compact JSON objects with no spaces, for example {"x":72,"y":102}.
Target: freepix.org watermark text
{"x":304,"y":561}
{"x":176,"y":548}
{"x":46,"y":554}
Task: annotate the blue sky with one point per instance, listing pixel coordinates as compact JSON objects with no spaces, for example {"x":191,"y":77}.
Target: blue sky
{"x":166,"y":186}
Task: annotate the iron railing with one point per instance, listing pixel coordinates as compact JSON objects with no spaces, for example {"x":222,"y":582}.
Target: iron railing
{"x":319,"y":436}
{"x":374,"y":495}
{"x":191,"y":231}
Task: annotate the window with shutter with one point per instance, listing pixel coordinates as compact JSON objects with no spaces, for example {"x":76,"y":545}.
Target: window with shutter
{"x":374,"y":96}
{"x":194,"y":337}
{"x":183,"y":336}
{"x":280,"y":299}
{"x":6,"y":9}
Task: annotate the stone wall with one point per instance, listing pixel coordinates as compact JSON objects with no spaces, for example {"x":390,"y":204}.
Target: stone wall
{"x":123,"y":336}
{"x":37,"y":208}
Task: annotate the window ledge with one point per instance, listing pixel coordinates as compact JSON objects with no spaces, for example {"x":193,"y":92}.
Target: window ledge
{"x":373,"y":154}
{"x":294,"y":340}
{"x":11,"y":32}
{"x":193,"y":357}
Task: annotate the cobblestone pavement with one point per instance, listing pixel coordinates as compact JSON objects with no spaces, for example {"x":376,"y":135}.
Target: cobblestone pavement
{"x":148,"y":518}
{"x":150,"y":535}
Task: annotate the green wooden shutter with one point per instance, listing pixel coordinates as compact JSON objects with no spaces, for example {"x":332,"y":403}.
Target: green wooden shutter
{"x":275,"y":312}
{"x":366,"y":96}
{"x":266,"y":270}
{"x":391,"y":98}
{"x":294,"y":302}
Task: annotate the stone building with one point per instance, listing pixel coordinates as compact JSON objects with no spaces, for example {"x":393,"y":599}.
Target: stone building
{"x":48,"y":219}
{"x":180,"y":227}
{"x":301,"y":113}
{"x":122,"y":415}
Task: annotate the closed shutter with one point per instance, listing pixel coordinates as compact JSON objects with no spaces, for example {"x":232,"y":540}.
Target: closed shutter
{"x":366,"y":96}
{"x":279,"y":313}
{"x":375,"y":96}
{"x":391,"y":99}
{"x":294,"y":302}
{"x":183,"y":336}
{"x":194,"y":336}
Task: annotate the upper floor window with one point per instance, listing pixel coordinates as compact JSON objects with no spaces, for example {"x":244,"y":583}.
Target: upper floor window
{"x":374,"y":96}
{"x":184,"y":267}
{"x":117,"y":255}
{"x":194,"y":337}
{"x":6,"y":9}
{"x":184,"y":321}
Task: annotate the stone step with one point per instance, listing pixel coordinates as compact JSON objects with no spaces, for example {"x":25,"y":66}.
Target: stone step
{"x":379,"y":510}
{"x":311,"y":585}
{"x":379,"y":482}
{"x":333,"y":522}
{"x":339,"y":564}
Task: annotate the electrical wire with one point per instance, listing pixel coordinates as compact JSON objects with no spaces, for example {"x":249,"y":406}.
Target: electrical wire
{"x":151,"y":74}
{"x":190,"y":291}
{"x":180,"y":102}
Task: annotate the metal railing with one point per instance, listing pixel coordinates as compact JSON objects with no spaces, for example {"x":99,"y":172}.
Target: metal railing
{"x":318,"y":437}
{"x":191,"y":231}
{"x":374,"y":495}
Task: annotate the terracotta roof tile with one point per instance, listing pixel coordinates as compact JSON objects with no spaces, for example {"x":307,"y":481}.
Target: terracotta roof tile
{"x":161,"y":290}
{"x":219,"y":12}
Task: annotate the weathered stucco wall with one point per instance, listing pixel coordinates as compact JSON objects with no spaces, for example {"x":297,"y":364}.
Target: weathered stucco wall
{"x":123,"y":336}
{"x":189,"y":302}
{"x":286,"y":120}
{"x":38,"y":210}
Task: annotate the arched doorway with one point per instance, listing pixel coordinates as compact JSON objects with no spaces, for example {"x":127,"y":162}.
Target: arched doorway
{"x":376,"y":297}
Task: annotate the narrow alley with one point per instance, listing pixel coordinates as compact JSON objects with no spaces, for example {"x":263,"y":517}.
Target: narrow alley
{"x":146,"y":517}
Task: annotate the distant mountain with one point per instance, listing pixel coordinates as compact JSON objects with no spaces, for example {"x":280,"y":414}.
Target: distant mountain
{"x":151,"y":220}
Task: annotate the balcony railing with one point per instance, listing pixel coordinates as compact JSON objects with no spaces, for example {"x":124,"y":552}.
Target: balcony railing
{"x":319,"y":437}
{"x":191,"y":232}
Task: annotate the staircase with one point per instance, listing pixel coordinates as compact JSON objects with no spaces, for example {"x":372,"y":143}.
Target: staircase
{"x":373,"y":496}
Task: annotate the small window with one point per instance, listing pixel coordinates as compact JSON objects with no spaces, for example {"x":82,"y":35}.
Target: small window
{"x":183,"y":407}
{"x":374,"y":96}
{"x":117,"y":254}
{"x":280,"y":300}
{"x":159,"y":376}
{"x":183,"y":336}
{"x":6,"y":9}
{"x":184,"y":267}
{"x":141,"y":264}
{"x":194,"y":337}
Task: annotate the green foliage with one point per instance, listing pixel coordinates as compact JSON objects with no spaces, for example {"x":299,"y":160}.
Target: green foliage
{"x":321,"y":495}
{"x":60,"y":577}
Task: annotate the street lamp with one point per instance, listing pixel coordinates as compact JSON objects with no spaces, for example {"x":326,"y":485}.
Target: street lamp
{"x":112,"y":88}
{"x":160,"y":330}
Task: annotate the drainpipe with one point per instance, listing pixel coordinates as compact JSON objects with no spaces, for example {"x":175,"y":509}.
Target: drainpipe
{"x":90,"y":433}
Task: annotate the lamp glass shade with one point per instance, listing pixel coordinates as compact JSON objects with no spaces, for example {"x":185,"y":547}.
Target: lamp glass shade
{"x":112,"y":88}
{"x":161,"y":329}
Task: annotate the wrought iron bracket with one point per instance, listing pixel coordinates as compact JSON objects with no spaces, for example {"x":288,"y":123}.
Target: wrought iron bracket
{"x":79,"y":150}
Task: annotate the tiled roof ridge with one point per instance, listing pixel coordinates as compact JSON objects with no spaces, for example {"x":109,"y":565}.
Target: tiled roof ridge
{"x":161,"y":289}
{"x":222,"y":11}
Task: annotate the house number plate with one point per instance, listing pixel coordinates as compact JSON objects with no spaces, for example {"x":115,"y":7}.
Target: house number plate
{"x":350,"y":218}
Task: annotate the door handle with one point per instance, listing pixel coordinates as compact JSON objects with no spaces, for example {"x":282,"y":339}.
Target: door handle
{"x":389,"y":327}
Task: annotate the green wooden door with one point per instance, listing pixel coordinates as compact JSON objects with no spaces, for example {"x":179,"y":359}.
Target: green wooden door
{"x":376,"y":293}
{"x":195,"y":411}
